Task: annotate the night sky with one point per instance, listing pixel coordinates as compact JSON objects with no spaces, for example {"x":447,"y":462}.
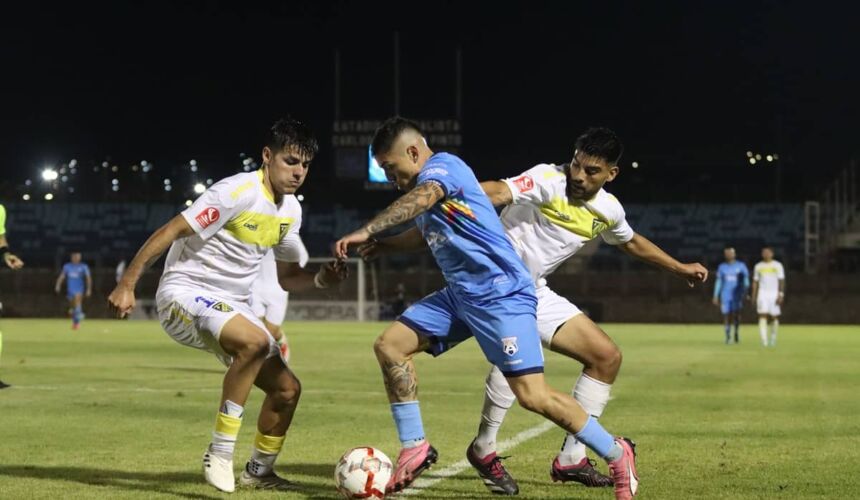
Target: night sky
{"x":689,"y":86}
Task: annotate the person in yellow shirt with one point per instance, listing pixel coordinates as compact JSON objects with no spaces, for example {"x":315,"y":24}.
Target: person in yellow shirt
{"x":11,"y":260}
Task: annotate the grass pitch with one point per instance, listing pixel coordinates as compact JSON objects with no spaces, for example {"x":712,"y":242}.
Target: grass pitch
{"x":118,"y":410}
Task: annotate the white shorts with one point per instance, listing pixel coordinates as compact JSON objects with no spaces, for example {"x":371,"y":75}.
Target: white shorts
{"x":270,"y":304}
{"x":766,"y":304}
{"x":194,"y":318}
{"x":553,"y":310}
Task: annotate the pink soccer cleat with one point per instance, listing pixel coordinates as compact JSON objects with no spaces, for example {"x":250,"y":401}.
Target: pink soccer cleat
{"x":623,"y":470}
{"x":410,"y":464}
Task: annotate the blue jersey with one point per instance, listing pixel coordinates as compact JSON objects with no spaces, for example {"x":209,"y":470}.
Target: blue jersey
{"x":76,"y":276}
{"x":732,"y":279}
{"x":466,"y":236}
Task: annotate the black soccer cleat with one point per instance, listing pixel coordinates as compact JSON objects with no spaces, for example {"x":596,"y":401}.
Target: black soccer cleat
{"x":4,"y":385}
{"x":582,"y":472}
{"x":494,"y":474}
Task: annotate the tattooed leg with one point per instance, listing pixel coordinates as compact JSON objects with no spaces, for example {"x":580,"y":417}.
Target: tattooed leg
{"x":394,"y":350}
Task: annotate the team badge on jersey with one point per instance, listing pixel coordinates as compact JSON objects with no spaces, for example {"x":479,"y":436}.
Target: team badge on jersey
{"x":597,"y":227}
{"x":524,"y":183}
{"x":285,"y":226}
{"x":221,"y":306}
{"x":207,"y":217}
{"x":509,"y":345}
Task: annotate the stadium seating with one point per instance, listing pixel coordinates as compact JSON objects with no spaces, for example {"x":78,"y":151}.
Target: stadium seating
{"x":45,"y":232}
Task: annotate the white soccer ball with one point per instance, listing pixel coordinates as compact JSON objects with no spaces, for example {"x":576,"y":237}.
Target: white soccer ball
{"x":362,"y":473}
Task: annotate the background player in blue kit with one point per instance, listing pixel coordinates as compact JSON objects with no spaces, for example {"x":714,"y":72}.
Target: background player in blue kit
{"x":78,"y":282}
{"x":733,"y":281}
{"x":489,"y":295}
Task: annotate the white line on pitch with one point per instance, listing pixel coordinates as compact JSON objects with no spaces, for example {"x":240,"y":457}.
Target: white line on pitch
{"x":431,"y":477}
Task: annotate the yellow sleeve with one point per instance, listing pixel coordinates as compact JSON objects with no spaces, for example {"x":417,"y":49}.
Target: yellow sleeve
{"x":2,"y":220}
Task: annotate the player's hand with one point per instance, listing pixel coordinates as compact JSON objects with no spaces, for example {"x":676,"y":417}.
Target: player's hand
{"x":693,"y":273}
{"x":334,"y":272}
{"x":13,"y":261}
{"x":121,"y":301}
{"x":716,"y":301}
{"x":284,"y":349}
{"x":371,"y":249}
{"x":341,"y":248}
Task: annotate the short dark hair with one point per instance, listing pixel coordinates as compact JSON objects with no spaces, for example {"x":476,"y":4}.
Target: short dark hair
{"x":289,"y":132}
{"x":600,"y":142}
{"x":389,"y":131}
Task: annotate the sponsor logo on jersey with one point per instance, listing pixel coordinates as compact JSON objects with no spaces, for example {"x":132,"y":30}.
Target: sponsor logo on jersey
{"x":509,"y":345}
{"x":205,"y":300}
{"x":597,"y":227}
{"x":524,"y":183}
{"x":251,"y":227}
{"x":223,"y":307}
{"x":434,"y":171}
{"x":208,"y":216}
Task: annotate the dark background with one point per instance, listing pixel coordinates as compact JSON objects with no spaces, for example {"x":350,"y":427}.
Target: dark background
{"x":689,"y":86}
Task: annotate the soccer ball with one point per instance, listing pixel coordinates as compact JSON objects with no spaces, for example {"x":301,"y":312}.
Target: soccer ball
{"x":362,"y":473}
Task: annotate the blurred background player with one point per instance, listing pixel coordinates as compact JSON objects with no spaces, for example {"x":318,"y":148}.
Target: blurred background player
{"x":768,"y":293}
{"x":489,"y":295}
{"x":269,"y":300}
{"x":11,"y":261}
{"x":733,"y":281}
{"x":216,"y":247}
{"x":78,"y":284}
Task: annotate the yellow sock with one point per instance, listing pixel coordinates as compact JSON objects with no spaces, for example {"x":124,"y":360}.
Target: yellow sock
{"x":266,"y":450}
{"x":224,"y":435}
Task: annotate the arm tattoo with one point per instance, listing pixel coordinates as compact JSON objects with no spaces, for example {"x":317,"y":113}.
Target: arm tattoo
{"x":407,"y":207}
{"x":400,"y":381}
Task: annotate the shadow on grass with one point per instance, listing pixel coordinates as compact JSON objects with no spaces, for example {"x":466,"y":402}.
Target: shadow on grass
{"x":160,"y":482}
{"x":219,"y":371}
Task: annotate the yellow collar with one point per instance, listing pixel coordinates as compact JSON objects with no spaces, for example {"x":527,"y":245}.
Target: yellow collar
{"x":266,"y":191}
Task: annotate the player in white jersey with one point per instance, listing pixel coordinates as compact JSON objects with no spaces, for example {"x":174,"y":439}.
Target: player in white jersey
{"x":216,"y":247}
{"x":551,"y":212}
{"x":768,"y":293}
{"x":269,"y":300}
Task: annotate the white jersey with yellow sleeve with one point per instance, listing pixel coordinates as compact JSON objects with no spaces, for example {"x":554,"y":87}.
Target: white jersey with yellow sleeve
{"x":547,"y":228}
{"x":208,"y":276}
{"x":768,"y":276}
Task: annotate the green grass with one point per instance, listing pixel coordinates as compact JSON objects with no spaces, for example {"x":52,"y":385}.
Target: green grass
{"x":118,"y":410}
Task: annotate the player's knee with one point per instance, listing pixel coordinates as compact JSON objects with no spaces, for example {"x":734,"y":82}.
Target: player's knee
{"x":385,"y":349}
{"x":255,"y":347}
{"x":290,"y":391}
{"x":531,"y":398}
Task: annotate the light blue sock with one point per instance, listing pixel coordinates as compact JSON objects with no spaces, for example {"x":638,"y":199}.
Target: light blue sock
{"x":407,"y":418}
{"x":595,"y":437}
{"x":77,"y":313}
{"x":728,"y":329}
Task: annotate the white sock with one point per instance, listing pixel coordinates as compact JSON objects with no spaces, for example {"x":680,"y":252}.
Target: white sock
{"x":774,"y":329}
{"x":498,"y":399}
{"x":261,"y":463}
{"x":762,"y":330}
{"x":592,"y":395}
{"x":226,"y":429}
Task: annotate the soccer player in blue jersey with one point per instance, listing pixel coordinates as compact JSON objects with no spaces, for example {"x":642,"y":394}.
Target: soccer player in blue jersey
{"x":489,"y":295}
{"x":733,"y":281}
{"x":78,"y":283}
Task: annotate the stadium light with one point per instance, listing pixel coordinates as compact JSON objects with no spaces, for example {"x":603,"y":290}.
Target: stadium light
{"x":300,"y":197}
{"x":167,"y":187}
{"x":758,"y":157}
{"x":769,"y":157}
{"x":775,"y":156}
{"x":49,"y":174}
{"x":749,"y":154}
{"x":199,"y":188}
{"x":26,"y":197}
{"x":49,"y":196}
{"x":635,"y":164}
{"x":115,"y":188}
{"x":752,"y":161}
{"x":188,"y":203}
{"x":73,"y":163}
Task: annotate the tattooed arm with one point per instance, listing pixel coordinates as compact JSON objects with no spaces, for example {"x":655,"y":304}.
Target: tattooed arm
{"x":407,"y":207}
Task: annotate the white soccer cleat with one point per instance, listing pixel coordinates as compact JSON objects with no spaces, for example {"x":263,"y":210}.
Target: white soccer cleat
{"x":218,"y":472}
